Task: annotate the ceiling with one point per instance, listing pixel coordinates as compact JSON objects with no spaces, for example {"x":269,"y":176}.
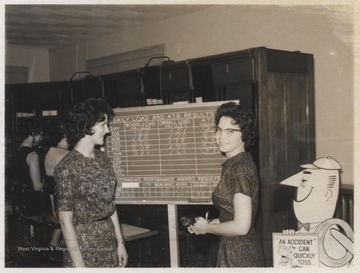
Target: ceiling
{"x":51,"y":26}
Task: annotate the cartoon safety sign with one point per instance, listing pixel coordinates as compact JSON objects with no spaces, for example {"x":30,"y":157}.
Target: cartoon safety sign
{"x":314,"y":206}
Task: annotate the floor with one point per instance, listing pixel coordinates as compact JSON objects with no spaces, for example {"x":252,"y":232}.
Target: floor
{"x":21,"y":250}
{"x":24,"y":251}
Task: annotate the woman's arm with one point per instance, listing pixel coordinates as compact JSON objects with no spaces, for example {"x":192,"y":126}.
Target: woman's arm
{"x":237,"y":227}
{"x":53,"y":206}
{"x":121,"y":250}
{"x":34,"y":168}
{"x":68,"y":231}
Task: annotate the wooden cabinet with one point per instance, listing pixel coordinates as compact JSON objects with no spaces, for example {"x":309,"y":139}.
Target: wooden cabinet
{"x":124,"y":89}
{"x":228,"y":76}
{"x":91,"y":87}
{"x":169,"y":82}
{"x":286,"y":124}
{"x":176,"y":82}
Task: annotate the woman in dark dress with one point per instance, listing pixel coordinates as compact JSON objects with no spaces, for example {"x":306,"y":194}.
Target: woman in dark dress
{"x":236,"y":195}
{"x":85,"y":188}
{"x":27,"y":167}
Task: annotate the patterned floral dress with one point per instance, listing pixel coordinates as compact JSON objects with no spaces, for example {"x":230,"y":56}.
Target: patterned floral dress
{"x":86,"y":186}
{"x":239,"y":175}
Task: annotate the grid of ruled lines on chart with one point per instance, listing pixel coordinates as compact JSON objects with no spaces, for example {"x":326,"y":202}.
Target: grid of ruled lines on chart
{"x":166,"y":187}
{"x":165,"y":153}
{"x":167,"y":144}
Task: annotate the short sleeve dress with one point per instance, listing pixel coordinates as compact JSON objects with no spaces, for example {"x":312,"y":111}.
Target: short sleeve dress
{"x":239,"y":175}
{"x":31,"y":199}
{"x":86,"y":186}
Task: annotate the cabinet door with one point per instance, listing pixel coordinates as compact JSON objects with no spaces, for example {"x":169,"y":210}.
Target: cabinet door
{"x":227,"y":76}
{"x":151,"y":83}
{"x":124,"y":89}
{"x":175,"y":76}
{"x":230,"y":70}
{"x":203,"y":82}
{"x":286,"y":143}
{"x":244,"y":91}
{"x":176,"y":82}
{"x":87,"y":88}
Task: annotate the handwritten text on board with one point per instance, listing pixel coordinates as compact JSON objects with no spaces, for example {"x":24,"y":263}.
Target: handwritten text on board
{"x":164,"y":152}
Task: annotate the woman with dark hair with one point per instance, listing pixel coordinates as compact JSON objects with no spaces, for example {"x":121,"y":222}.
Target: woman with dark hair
{"x":27,"y":167}
{"x":236,"y":195}
{"x":30,"y":135}
{"x":85,"y":188}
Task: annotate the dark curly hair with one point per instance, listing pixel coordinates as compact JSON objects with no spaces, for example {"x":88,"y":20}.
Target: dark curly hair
{"x":30,"y":127}
{"x":55,"y":132}
{"x":241,"y":116}
{"x":83,"y":116}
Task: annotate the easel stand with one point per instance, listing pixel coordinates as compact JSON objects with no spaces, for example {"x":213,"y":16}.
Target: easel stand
{"x":173,"y":236}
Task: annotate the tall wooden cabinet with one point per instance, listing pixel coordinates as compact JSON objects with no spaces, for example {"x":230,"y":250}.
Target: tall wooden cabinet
{"x":286,"y":124}
{"x":277,"y":85}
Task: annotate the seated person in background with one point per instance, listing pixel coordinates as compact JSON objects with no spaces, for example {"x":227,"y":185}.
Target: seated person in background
{"x":54,"y":155}
{"x":34,"y":200}
{"x":27,"y":166}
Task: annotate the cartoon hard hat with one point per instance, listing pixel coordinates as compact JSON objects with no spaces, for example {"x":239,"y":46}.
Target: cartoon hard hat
{"x":326,"y":163}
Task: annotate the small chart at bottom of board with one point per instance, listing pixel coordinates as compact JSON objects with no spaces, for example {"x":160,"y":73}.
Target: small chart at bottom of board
{"x":165,"y":153}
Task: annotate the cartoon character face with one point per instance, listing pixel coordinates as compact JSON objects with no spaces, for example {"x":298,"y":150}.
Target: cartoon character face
{"x":317,"y":192}
{"x":306,"y":187}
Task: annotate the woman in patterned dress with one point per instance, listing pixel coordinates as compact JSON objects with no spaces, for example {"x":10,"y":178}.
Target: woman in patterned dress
{"x":236,"y":195}
{"x":85,"y":189}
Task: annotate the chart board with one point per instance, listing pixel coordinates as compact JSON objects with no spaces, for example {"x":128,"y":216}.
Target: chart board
{"x":165,"y":153}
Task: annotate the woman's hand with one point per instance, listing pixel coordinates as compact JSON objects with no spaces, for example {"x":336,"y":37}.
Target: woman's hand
{"x":122,"y":254}
{"x":191,"y":230}
{"x":200,"y":226}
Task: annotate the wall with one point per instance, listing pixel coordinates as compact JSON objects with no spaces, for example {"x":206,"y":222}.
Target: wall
{"x":36,"y":59}
{"x":324,"y":31}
